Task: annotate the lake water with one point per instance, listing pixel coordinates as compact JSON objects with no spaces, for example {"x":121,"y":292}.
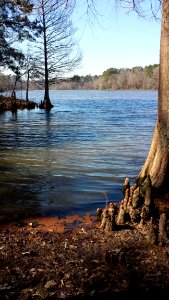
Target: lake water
{"x":74,"y":158}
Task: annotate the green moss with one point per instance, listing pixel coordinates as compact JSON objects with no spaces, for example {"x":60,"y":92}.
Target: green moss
{"x":41,"y":294}
{"x":141,"y":180}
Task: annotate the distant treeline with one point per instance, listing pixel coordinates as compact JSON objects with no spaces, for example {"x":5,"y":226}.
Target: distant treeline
{"x":114,"y":79}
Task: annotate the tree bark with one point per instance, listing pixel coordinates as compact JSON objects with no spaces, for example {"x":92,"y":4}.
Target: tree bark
{"x":157,"y":162}
{"x":162,"y":236}
{"x":47,"y":103}
{"x":27,"y":87}
{"x":13,"y":95}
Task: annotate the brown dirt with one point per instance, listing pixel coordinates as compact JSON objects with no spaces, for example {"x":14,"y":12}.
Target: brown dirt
{"x":52,"y":258}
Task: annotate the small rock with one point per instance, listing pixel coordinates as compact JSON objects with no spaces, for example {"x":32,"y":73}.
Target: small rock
{"x":49,"y":284}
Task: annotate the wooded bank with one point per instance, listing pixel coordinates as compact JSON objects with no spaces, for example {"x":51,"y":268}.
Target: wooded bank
{"x":136,"y":78}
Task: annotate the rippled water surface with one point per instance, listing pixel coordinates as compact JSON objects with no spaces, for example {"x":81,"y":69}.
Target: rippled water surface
{"x":69,"y":160}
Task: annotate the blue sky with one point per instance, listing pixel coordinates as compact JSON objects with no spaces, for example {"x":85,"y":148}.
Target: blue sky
{"x":118,"y":40}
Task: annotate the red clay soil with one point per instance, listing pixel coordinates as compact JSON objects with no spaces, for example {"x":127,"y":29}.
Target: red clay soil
{"x":72,"y":258}
{"x":51,"y":224}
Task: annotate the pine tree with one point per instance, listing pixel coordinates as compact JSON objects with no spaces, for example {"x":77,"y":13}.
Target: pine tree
{"x":15,"y":25}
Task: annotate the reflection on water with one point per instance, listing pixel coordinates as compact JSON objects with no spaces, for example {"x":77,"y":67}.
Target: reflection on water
{"x":68,"y":159}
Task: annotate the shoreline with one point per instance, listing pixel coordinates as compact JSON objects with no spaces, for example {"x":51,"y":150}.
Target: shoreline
{"x":76,"y":258}
{"x":161,"y":203}
{"x":73,"y":258}
{"x":50,"y":224}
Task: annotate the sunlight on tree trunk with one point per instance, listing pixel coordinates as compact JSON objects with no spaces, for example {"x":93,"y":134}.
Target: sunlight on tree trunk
{"x":157,"y":162}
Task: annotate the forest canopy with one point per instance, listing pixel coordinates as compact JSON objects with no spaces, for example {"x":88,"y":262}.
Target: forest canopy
{"x":138,"y":78}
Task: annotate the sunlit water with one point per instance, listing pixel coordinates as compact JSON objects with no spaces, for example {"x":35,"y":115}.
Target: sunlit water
{"x":73,"y":158}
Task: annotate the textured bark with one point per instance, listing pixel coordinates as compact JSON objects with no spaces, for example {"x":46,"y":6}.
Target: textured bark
{"x":27,"y":86}
{"x":153,"y":236}
{"x":162,"y":237}
{"x":126,"y":186}
{"x":136,"y":198}
{"x":121,"y":216}
{"x":157,"y":162}
{"x":99,"y":212}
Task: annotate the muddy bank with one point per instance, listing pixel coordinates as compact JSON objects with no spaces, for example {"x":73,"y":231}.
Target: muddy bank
{"x":73,"y":258}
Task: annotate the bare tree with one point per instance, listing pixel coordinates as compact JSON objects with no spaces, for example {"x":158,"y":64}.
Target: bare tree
{"x":56,"y":49}
{"x":30,"y":68}
{"x":17,"y":69}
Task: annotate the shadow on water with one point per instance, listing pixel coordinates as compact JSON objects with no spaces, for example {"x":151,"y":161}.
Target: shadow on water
{"x":17,"y":200}
{"x":14,"y":114}
{"x":48,"y":117}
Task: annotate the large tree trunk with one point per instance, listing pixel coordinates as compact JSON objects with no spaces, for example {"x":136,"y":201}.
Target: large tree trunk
{"x":157,"y":162}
